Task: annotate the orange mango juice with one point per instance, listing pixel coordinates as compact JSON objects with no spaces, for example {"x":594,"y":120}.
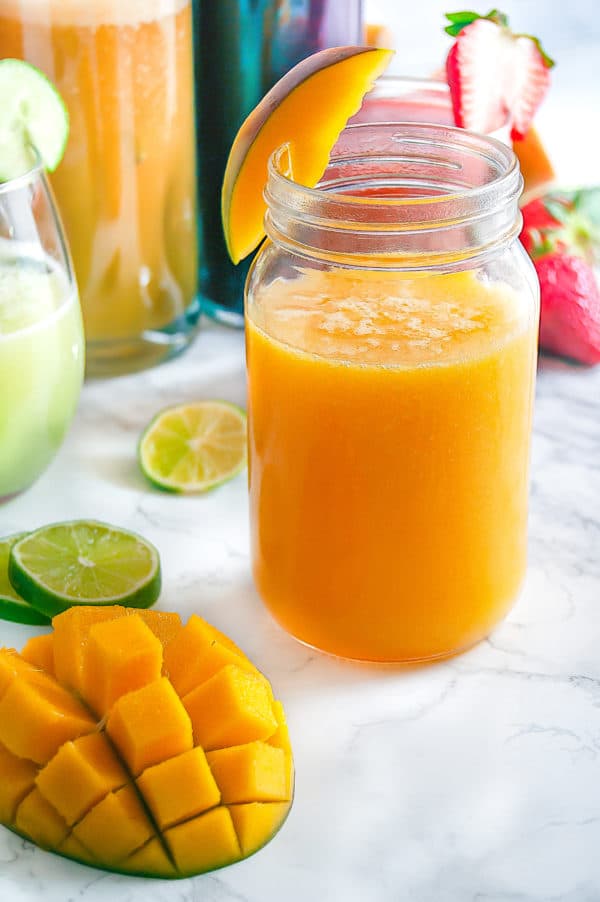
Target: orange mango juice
{"x":390,"y":421}
{"x":126,"y":186}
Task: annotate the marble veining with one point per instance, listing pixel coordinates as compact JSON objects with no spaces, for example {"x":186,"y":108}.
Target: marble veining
{"x":471,"y":780}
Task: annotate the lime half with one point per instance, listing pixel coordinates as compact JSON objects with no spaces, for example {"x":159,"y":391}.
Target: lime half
{"x":84,"y":562}
{"x":32,"y":114}
{"x":194,"y":447}
{"x":12,"y":606}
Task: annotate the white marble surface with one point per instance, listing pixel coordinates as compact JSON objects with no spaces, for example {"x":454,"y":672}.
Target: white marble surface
{"x":473,"y":780}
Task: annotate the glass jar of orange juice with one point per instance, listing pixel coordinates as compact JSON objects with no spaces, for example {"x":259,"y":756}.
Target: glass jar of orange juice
{"x":126,"y":187}
{"x":391,"y":338}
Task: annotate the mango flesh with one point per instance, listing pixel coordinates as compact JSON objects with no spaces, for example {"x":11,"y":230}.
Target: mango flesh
{"x":72,"y":631}
{"x":197,"y":653}
{"x":109,"y":764}
{"x":231,"y":708}
{"x":121,"y":655}
{"x":536,"y":167}
{"x":39,"y":651}
{"x":307,"y":109}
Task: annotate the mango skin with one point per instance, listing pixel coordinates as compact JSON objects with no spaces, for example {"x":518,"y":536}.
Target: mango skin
{"x":307,"y":109}
{"x":155,"y":863}
{"x":158,"y":876}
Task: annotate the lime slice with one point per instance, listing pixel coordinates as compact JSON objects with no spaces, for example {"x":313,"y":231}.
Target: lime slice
{"x":84,"y":562}
{"x":32,"y":114}
{"x":194,"y":447}
{"x":12,"y":606}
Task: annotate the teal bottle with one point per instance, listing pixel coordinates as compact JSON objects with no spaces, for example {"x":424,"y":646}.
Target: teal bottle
{"x":242,"y":47}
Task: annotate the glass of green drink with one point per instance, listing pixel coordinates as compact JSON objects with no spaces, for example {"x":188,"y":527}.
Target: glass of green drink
{"x":41,"y":335}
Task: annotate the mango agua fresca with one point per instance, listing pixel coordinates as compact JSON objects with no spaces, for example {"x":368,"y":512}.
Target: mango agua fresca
{"x":126,"y":187}
{"x":391,"y":340}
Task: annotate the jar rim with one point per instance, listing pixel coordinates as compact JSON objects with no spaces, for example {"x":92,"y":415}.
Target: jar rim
{"x":427,"y":193}
{"x":418,"y":132}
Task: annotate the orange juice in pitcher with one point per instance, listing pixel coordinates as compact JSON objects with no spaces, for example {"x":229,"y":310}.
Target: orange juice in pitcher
{"x":126,"y":187}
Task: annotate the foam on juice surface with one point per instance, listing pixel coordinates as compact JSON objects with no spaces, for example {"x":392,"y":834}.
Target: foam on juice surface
{"x":90,"y":13}
{"x":389,"y":318}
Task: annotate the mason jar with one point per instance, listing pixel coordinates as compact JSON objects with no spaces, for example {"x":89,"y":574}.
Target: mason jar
{"x":392,"y":320}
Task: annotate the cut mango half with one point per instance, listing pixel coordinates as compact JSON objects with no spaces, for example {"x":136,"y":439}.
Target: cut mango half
{"x":136,"y":744}
{"x":307,"y":109}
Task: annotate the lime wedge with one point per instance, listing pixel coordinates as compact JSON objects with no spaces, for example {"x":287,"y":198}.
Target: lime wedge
{"x":194,"y":447}
{"x":84,"y":562}
{"x":12,"y":606}
{"x":32,"y":114}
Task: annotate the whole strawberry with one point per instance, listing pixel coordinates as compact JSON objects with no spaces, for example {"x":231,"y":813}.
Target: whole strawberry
{"x":561,"y":233}
{"x":494,"y":75}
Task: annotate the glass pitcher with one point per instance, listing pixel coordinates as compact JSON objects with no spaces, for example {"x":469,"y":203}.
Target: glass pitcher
{"x":126,"y":187}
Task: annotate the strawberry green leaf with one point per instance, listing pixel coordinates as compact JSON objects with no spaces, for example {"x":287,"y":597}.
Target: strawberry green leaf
{"x":454,"y":30}
{"x":587,"y":202}
{"x":557,"y":208}
{"x":466,"y":16}
{"x":576,"y":227}
{"x":498,"y":17}
{"x":541,"y":244}
{"x":460,"y":20}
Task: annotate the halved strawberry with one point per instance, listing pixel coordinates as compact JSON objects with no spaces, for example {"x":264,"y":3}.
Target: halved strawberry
{"x":493,"y":74}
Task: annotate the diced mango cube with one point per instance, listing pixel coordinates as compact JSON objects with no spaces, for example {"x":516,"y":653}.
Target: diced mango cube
{"x":255,"y":772}
{"x":151,"y":861}
{"x":72,"y":848}
{"x":12,"y":665}
{"x":198,"y":652}
{"x":204,"y":843}
{"x":281,"y":740}
{"x":40,"y":821}
{"x":17,"y":779}
{"x":164,"y":624}
{"x":80,"y":775}
{"x":281,"y":736}
{"x":149,"y":725}
{"x":256,"y":822}
{"x":115,"y":827}
{"x":120,"y":656}
{"x":39,"y":652}
{"x":179,"y":788}
{"x":36,"y":718}
{"x":232,"y":708}
{"x":71,"y":630}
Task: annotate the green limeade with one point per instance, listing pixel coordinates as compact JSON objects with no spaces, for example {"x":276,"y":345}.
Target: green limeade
{"x":41,"y":367}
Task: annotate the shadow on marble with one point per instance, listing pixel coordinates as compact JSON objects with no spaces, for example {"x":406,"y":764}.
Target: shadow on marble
{"x":119,"y":469}
{"x":553,"y":363}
